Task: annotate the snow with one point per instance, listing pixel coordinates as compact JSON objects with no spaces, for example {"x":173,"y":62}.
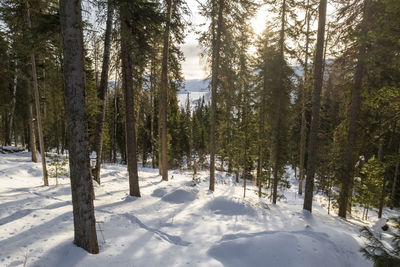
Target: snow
{"x":195,"y":90}
{"x":174,"y":223}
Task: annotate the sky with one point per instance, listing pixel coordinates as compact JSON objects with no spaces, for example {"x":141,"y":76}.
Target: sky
{"x":193,"y":67}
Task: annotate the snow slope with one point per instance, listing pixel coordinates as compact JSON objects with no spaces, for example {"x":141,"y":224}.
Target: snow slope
{"x":195,"y":90}
{"x":175,"y":223}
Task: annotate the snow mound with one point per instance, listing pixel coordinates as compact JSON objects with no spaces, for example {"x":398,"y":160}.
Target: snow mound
{"x":159,"y":192}
{"x":275,"y":248}
{"x":180,"y":196}
{"x":226,"y":206}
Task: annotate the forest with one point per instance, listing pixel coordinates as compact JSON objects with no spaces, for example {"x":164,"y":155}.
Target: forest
{"x":302,"y":117}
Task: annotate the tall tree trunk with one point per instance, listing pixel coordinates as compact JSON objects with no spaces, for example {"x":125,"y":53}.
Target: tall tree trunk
{"x":127,"y":85}
{"x":164,"y":96}
{"x":276,"y":127}
{"x":37,"y":104}
{"x":261,"y":132}
{"x":116,"y":92}
{"x":152,"y":114}
{"x":303,"y":130}
{"x":191,"y":160}
{"x":144,"y":136}
{"x":349,"y":159}
{"x":102,"y":92}
{"x":13,"y":101}
{"x":159,"y":142}
{"x":394,"y":186}
{"x":79,"y":162}
{"x":214,"y":85}
{"x":316,"y":102}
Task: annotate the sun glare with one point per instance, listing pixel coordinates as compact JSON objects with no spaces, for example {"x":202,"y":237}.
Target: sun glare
{"x":258,"y":22}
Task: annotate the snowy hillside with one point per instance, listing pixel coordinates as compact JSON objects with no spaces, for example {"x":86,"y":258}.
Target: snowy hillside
{"x":195,"y":90}
{"x":175,"y":223}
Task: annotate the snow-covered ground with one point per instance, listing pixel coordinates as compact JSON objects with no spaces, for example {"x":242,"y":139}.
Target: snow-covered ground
{"x":175,"y":223}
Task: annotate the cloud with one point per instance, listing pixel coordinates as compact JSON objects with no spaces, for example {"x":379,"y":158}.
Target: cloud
{"x":192,"y":66}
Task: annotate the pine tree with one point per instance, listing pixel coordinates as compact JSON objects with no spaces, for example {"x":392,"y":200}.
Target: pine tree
{"x":127,"y":85}
{"x":81,"y":182}
{"x":102,"y":91}
{"x":348,"y":160}
{"x":164,"y":95}
{"x":318,"y":79}
{"x":37,"y":104}
{"x":218,"y":24}
{"x":376,"y":250}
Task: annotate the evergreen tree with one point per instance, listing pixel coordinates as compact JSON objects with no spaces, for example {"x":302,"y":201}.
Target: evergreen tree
{"x":81,"y":182}
{"x":318,"y":79}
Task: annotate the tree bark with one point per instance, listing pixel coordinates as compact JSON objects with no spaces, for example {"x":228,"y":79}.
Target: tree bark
{"x":13,"y":101}
{"x":214,"y":85}
{"x":276,"y":126}
{"x":152,"y":114}
{"x":316,"y":102}
{"x":164,"y":95}
{"x":116,"y":93}
{"x":32,"y":137}
{"x":37,"y":104}
{"x":349,"y":159}
{"x":303,"y":130}
{"x":261,"y":133}
{"x":102,"y":92}
{"x":127,"y":85}
{"x":74,"y":81}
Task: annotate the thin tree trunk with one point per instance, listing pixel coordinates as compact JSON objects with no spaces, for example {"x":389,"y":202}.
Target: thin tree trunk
{"x":63,"y":135}
{"x":127,"y":85}
{"x":349,"y":159}
{"x":13,"y":101}
{"x":55,"y":124}
{"x":37,"y":105}
{"x":114,"y":160}
{"x":261,"y":134}
{"x":303,"y":137}
{"x":164,"y":96}
{"x":316,"y":102}
{"x":79,"y":162}
{"x":159,"y":142}
{"x":214,"y":85}
{"x":383,"y":192}
{"x":276,"y":127}
{"x":102,"y":92}
{"x":190,"y":142}
{"x":152,"y":113}
{"x":394,"y":186}
{"x":144,"y":138}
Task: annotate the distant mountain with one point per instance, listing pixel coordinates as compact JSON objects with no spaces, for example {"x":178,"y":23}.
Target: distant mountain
{"x":195,"y":90}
